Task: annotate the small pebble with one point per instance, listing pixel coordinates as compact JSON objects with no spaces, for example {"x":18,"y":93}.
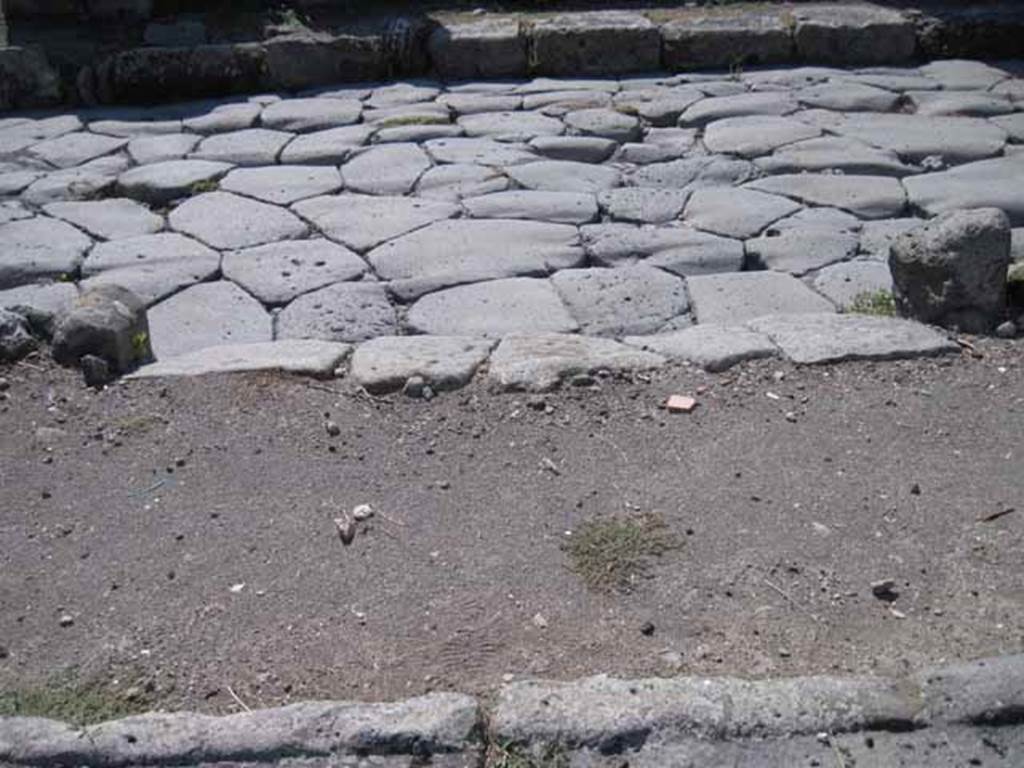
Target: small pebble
{"x":1007,"y":330}
{"x":66,"y":620}
{"x":333,"y":430}
{"x":4,"y":384}
{"x":647,"y":629}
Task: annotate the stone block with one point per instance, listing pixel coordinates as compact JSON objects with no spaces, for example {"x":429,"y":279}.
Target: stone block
{"x":595,"y":43}
{"x":853,"y":34}
{"x":487,"y":48}
{"x":729,"y":39}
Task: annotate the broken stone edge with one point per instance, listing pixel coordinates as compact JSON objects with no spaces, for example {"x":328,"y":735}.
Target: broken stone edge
{"x":601,"y":713}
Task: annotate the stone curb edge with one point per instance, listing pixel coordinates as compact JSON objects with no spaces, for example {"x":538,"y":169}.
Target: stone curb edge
{"x":599,"y":713}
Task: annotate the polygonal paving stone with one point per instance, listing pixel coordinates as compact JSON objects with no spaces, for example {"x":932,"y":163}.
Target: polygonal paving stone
{"x":693,"y":173}
{"x":38,"y":248}
{"x":560,"y":102}
{"x":828,"y":218}
{"x":131,"y":129}
{"x":161,"y":183}
{"x":564,"y":176}
{"x":844,"y":283}
{"x":156,"y":149}
{"x":1012,"y":124}
{"x":303,"y":115}
{"x":717,"y":108}
{"x":331,"y":147}
{"x":680,"y":250}
{"x":478,"y":152}
{"x":616,"y":302}
{"x":108,"y":219}
{"x":278,"y":272}
{"x":870,"y":197}
{"x":151,"y":266}
{"x":18,"y":136}
{"x":40,"y":302}
{"x":339,"y":312}
{"x":959,"y":103}
{"x":877,"y":236}
{"x":712,"y":346}
{"x":560,"y":207}
{"x":511,"y":126}
{"x":458,"y":180}
{"x":404,"y":134}
{"x":364,"y":221}
{"x":892,"y":79}
{"x":552,"y":84}
{"x":660,"y":145}
{"x":474,"y":103}
{"x":829,"y":338}
{"x":643,"y":205}
{"x":307,"y":357}
{"x":206,"y":315}
{"x":252,"y":146}
{"x":604,"y":123}
{"x":282,"y":184}
{"x":402,"y":93}
{"x":960,"y":74}
{"x":988,"y":183}
{"x":580,"y":149}
{"x":13,"y":182}
{"x":12,"y":210}
{"x":75,"y":148}
{"x":848,"y":97}
{"x":384,"y":364}
{"x":834,"y":153}
{"x":737,"y":298}
{"x":540,"y":362}
{"x":754,"y":136}
{"x":86,"y":182}
{"x":227,"y":221}
{"x":390,"y":169}
{"x":735,"y":212}
{"x":787,"y":78}
{"x":224,"y":118}
{"x":492,"y":309}
{"x":408,"y":114}
{"x":801,"y":249}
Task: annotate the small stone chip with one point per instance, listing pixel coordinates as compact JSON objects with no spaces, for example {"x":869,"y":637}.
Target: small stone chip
{"x":680,"y":404}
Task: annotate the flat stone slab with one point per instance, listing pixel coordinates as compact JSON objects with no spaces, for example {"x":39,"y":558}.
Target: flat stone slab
{"x":39,"y":248}
{"x":799,"y":250}
{"x":848,"y":97}
{"x":739,"y":105}
{"x":108,"y":219}
{"x":643,"y":205}
{"x":492,"y":309}
{"x":755,"y":136}
{"x":226,"y":221}
{"x":224,"y":118}
{"x":559,"y":207}
{"x":732,"y":212}
{"x":681,"y":250}
{"x":870,"y":197}
{"x":364,"y":221}
{"x":252,"y":146}
{"x":458,"y":180}
{"x":604,"y":123}
{"x":390,"y":169}
{"x":733,"y":299}
{"x":86,"y":182}
{"x":156,"y":149}
{"x":151,"y":266}
{"x":579,"y":149}
{"x":331,"y":147}
{"x":511,"y":126}
{"x":540,"y":362}
{"x":694,"y":173}
{"x":564,"y":176}
{"x":282,"y":184}
{"x":384,"y":364}
{"x":307,"y":357}
{"x":206,"y":315}
{"x":160,"y":183}
{"x":302,"y":115}
{"x":627,"y":300}
{"x":877,"y":236}
{"x":988,"y":183}
{"x":834,"y":153}
{"x":75,"y":148}
{"x":40,"y":301}
{"x":829,"y":338}
{"x":479,"y":152}
{"x":844,"y":284}
{"x":712,"y":346}
{"x":278,"y":272}
{"x":339,"y":312}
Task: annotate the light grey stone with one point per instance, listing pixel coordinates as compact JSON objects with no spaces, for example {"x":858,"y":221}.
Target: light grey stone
{"x":400,"y":93}
{"x":339,"y":312}
{"x":108,"y":322}
{"x":642,"y":204}
{"x":754,"y":136}
{"x":733,"y":299}
{"x":73,"y":149}
{"x":541,"y":361}
{"x":595,"y":42}
{"x":304,"y":115}
{"x":306,"y":357}
{"x":571,"y":83}
{"x":828,"y":218}
{"x":733,"y":212}
{"x":681,"y":250}
{"x":895,"y":79}
{"x":559,"y":207}
{"x":416,"y":133}
{"x":131,"y":129}
{"x":407,"y":114}
{"x":39,"y":248}
{"x":844,"y":283}
{"x":800,"y":250}
{"x":711,"y":346}
{"x":694,"y":173}
{"x":557,"y":103}
{"x":664,"y":111}
{"x":660,"y":145}
{"x":86,"y":182}
{"x":478,"y":152}
{"x":108,"y":219}
{"x":617,"y":302}
{"x":160,"y":183}
{"x":458,"y":180}
{"x":384,"y":364}
{"x":834,"y":153}
{"x":250,"y":146}
{"x":223,"y":220}
{"x":474,"y":103}
{"x":1012,"y":124}
{"x":151,"y":266}
{"x":740,"y":105}
{"x":156,"y":149}
{"x":870,"y":197}
{"x":581,"y":149}
{"x":510,"y":126}
{"x":960,"y":103}
{"x":278,"y":272}
{"x":282,"y":184}
{"x":564,"y":176}
{"x":877,"y":236}
{"x":331,"y":147}
{"x":722,"y":40}
{"x":988,"y":183}
{"x":853,"y":33}
{"x":830,"y":338}
{"x":390,"y":169}
{"x":963,"y":75}
{"x":12,"y":210}
{"x":488,"y":47}
{"x":604,"y":123}
{"x":848,"y":97}
{"x":13,"y":182}
{"x":224,"y":118}
{"x":364,"y":221}
{"x":492,"y":309}
{"x":14,"y":138}
{"x":207,"y":315}
{"x":40,"y":303}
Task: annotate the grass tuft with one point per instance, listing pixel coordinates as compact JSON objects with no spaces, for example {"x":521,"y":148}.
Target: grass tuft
{"x":512,"y":756}
{"x":880,"y":303}
{"x":72,"y":701}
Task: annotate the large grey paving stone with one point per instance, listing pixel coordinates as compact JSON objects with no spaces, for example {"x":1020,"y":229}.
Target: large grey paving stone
{"x":75,"y":148}
{"x":13,"y":182}
{"x":390,"y":169}
{"x":330,"y":147}
{"x":475,"y":103}
{"x":156,"y":149}
{"x":108,"y":219}
{"x":492,"y":309}
{"x":755,"y":136}
{"x":732,"y":299}
{"x":834,"y":153}
{"x":511,"y":126}
{"x":160,"y":183}
{"x":829,"y":338}
{"x":564,"y":176}
{"x":303,"y":115}
{"x":364,"y":221}
{"x":557,"y":103}
{"x":870,"y":197}
{"x":541,"y":361}
{"x":962,"y":74}
{"x":455,"y":181}
{"x":877,"y":236}
{"x":12,"y":210}
{"x":681,"y":250}
{"x":986,"y":184}
{"x":251,"y":146}
{"x":206,"y":315}
{"x":735,"y":212}
{"x":740,"y":105}
{"x":384,"y":364}
{"x":559,"y":207}
{"x":660,"y":145}
{"x":712,"y":346}
{"x":1012,"y":124}
{"x":657,"y":105}
{"x":848,"y":97}
{"x":40,"y":302}
{"x":643,"y":205}
{"x":399,"y":93}
{"x":39,"y":248}
{"x":479,"y":152}
{"x":416,"y":134}
{"x":616,"y":302}
{"x":282,"y":184}
{"x":86,"y":182}
{"x":843,"y":284}
{"x":224,"y":118}
{"x":595,"y":43}
{"x":580,"y":149}
{"x":407,"y":114}
{"x":960,"y":103}
{"x":604,"y":123}
{"x":130,"y":126}
{"x":307,"y":357}
{"x":693,"y":173}
{"x":799,"y":250}
{"x":895,"y":79}
{"x":278,"y":272}
{"x":783,"y":79}
{"x":18,"y":136}
{"x":225,"y":221}
{"x":339,"y":312}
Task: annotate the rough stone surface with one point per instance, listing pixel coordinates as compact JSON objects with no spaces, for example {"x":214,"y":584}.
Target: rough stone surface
{"x":40,"y":303}
{"x":560,"y":207}
{"x":391,"y":169}
{"x":301,"y":356}
{"x":799,"y":250}
{"x":251,"y":146}
{"x":224,"y":220}
{"x":733,"y":299}
{"x":617,"y":302}
{"x":870,"y":197}
{"x":850,"y":33}
{"x":510,"y":126}
{"x":160,"y":183}
{"x":39,"y":248}
{"x":845,"y":283}
{"x":490,"y":47}
{"x":733,"y":212}
{"x":108,"y":219}
{"x":75,"y":148}
{"x":564,"y":176}
{"x":16,"y":340}
{"x":384,"y":364}
{"x":720,"y":107}
{"x":282,"y":184}
{"x":712,"y":346}
{"x":604,"y":123}
{"x":478,"y":152}
{"x":108,"y":322}
{"x":756,"y":135}
{"x":458,"y":180}
{"x":156,"y":149}
{"x":580,"y":149}
{"x":834,"y":153}
{"x":643,"y":205}
{"x":302,"y":115}
{"x":331,"y":147}
{"x":681,"y":250}
{"x":600,"y":42}
{"x":722,"y":40}
{"x":988,"y":183}
{"x":278,"y":272}
{"x":339,"y":312}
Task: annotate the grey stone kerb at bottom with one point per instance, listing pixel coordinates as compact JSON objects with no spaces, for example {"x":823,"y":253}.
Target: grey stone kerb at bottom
{"x":953,"y":715}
